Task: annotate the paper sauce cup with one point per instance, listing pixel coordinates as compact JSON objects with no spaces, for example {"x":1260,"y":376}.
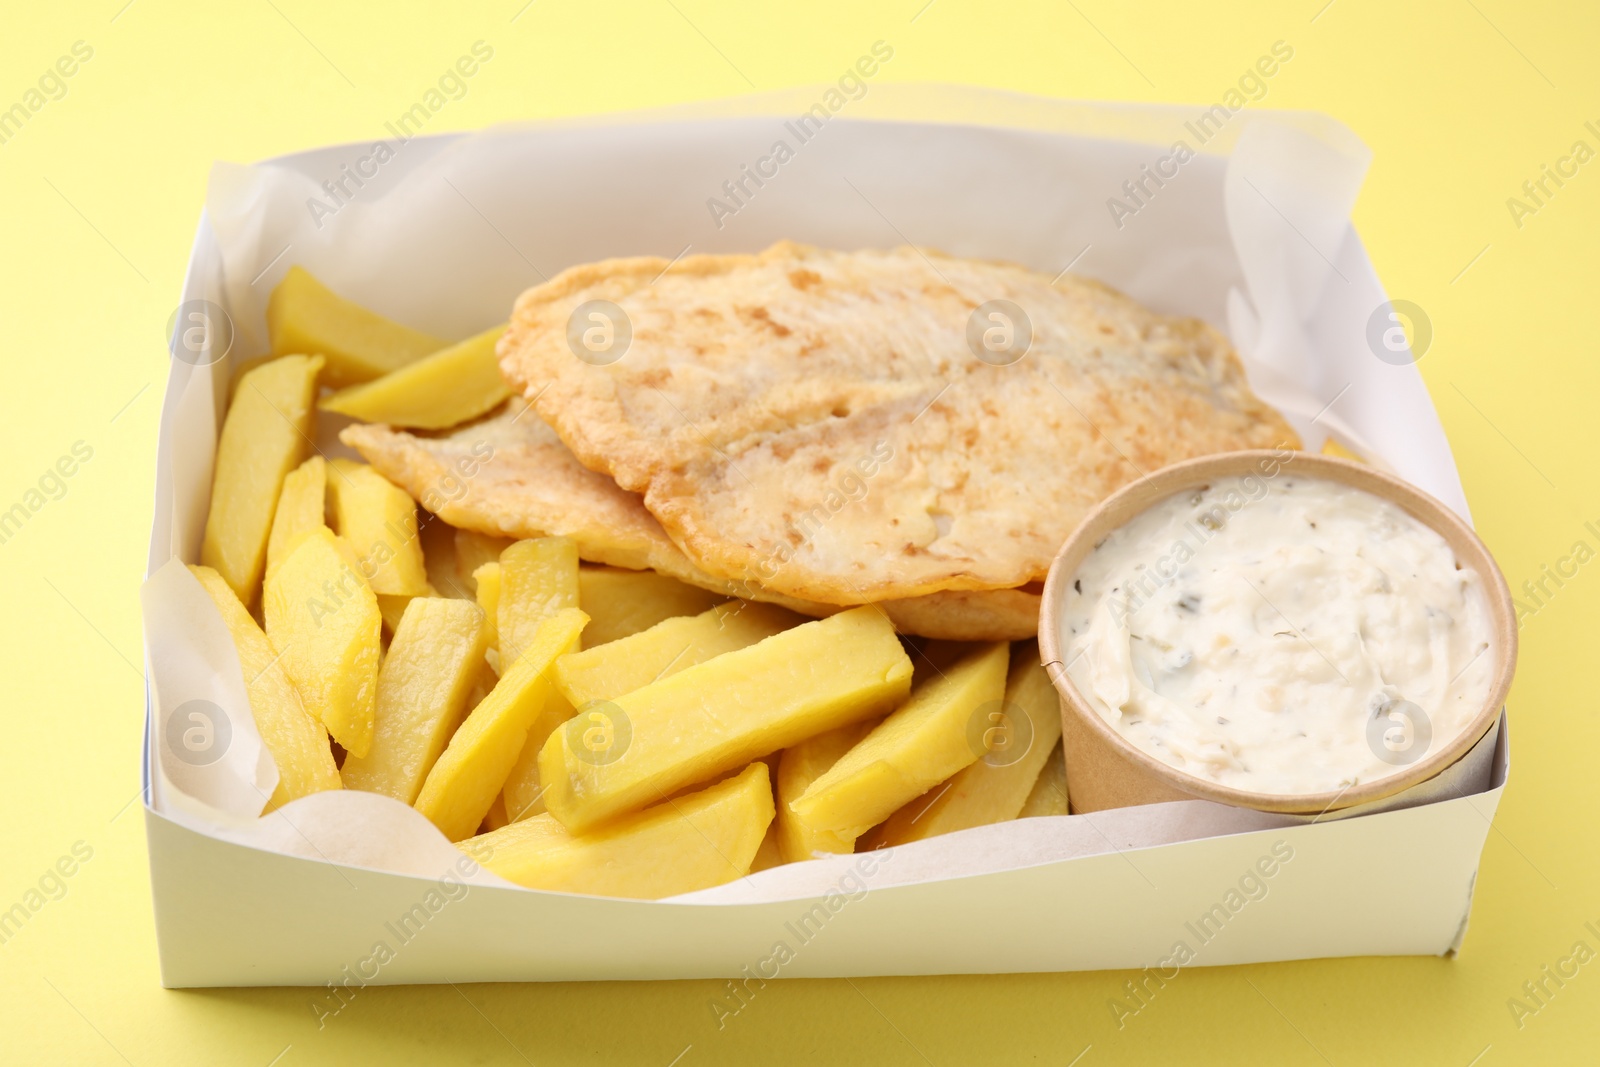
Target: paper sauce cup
{"x":1105,"y":770}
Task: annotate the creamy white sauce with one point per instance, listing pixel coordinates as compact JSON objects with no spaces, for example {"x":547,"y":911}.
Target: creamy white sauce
{"x":1280,"y":634}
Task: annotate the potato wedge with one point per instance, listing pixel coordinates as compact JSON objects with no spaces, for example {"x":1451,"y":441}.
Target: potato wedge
{"x":379,"y":521}
{"x":243,"y":367}
{"x":323,"y":620}
{"x":616,"y":757}
{"x":265,"y":435}
{"x":393,"y":607}
{"x":439,"y":557}
{"x":693,"y":842}
{"x":483,"y":680}
{"x":624,"y":602}
{"x":524,"y":788}
{"x":486,"y":580}
{"x":496,"y":817}
{"x":297,"y":741}
{"x":767,"y":856}
{"x":633,"y":662}
{"x":427,"y":673}
{"x":1049,"y":794}
{"x":473,"y":550}
{"x":463,"y":784}
{"x":924,"y":742}
{"x":798,"y":767}
{"x":439,"y":390}
{"x":301,"y":508}
{"x":994,"y":788}
{"x":538,"y":577}
{"x":303,"y":315}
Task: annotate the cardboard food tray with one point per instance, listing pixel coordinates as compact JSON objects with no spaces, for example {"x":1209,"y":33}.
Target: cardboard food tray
{"x":1251,"y":233}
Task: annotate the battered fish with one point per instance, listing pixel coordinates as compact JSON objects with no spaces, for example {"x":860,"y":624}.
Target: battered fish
{"x":509,"y":475}
{"x":852,"y":427}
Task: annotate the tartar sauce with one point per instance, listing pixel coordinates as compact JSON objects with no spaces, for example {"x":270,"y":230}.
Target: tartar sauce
{"x":1280,"y":634}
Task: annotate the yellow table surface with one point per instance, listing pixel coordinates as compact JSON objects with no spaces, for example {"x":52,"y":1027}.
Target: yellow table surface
{"x":1462,"y":102}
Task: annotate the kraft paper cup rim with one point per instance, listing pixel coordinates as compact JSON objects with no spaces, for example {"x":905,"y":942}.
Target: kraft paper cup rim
{"x":1137,"y":497}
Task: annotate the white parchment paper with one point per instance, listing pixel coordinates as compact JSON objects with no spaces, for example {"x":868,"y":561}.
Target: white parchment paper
{"x":1252,"y":234}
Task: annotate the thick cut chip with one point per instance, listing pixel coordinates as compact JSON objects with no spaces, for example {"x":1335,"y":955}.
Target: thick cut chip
{"x":931,"y":736}
{"x":467,"y":778}
{"x":692,"y":842}
{"x":1017,"y":738}
{"x":297,"y":741}
{"x":302,"y":508}
{"x":323,"y":620}
{"x":861,"y":426}
{"x":523,"y":795}
{"x":1049,"y":793}
{"x":511,"y":475}
{"x":474,"y":549}
{"x":798,"y":767}
{"x":439,"y":557}
{"x":422,"y":695}
{"x":604,"y":672}
{"x":451,"y":386}
{"x":303,"y":315}
{"x":538,"y":577}
{"x":483,"y":681}
{"x":392,"y":606}
{"x":264,"y":437}
{"x":378,"y":521}
{"x":618,"y":756}
{"x":768,"y":856}
{"x":622,"y":602}
{"x":496,"y":817}
{"x":486,"y":580}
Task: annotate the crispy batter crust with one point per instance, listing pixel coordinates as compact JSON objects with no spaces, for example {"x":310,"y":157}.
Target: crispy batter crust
{"x":818,"y":422}
{"x":509,"y":475}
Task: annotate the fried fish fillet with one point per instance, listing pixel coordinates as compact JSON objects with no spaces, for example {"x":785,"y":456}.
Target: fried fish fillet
{"x":822,"y":423}
{"x":510,"y":475}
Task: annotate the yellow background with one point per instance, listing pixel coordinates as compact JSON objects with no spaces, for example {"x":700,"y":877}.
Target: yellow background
{"x":1461,"y":102}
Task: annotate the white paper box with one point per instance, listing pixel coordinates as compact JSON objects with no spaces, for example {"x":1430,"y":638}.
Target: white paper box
{"x":1252,"y":235}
